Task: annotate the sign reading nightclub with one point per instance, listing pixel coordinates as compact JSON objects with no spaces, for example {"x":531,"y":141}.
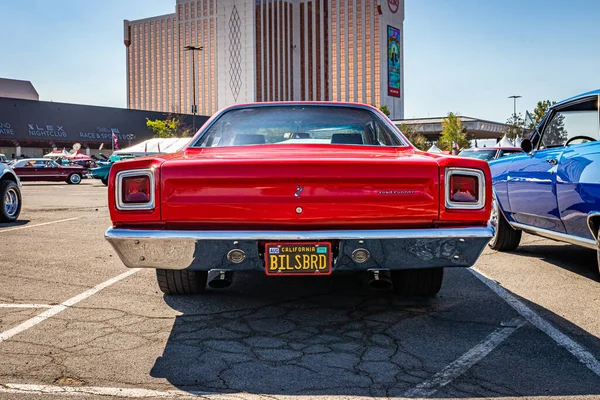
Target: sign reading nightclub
{"x":30,"y":121}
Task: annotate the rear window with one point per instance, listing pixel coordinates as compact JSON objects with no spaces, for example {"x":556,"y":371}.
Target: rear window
{"x":300,"y":124}
{"x":480,"y":154}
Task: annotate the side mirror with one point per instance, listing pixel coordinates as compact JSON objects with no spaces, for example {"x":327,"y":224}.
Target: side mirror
{"x":526,"y":145}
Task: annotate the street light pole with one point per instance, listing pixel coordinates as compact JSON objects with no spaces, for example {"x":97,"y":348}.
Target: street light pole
{"x":194,"y":107}
{"x":515,"y":97}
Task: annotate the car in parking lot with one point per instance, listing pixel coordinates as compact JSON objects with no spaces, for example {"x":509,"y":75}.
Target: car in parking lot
{"x":303,"y":189}
{"x":10,"y":194}
{"x":490,"y":153}
{"x":552,"y":189}
{"x":44,"y":169}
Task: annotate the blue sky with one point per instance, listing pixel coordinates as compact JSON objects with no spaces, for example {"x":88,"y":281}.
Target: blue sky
{"x":466,"y":56}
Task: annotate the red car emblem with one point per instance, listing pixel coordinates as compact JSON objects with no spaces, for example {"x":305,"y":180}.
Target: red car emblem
{"x":393,"y":5}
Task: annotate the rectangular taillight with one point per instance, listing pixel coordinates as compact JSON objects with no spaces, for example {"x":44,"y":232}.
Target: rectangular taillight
{"x":465,"y":188}
{"x":135,"y":189}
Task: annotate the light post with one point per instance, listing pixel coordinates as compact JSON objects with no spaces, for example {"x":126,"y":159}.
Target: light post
{"x":194,"y":107}
{"x":515,"y":97}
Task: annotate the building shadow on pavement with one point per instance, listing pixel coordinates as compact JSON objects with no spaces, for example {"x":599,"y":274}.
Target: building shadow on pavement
{"x":330,"y":336}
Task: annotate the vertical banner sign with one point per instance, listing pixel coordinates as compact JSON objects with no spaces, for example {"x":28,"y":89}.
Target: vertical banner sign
{"x":393,"y":50}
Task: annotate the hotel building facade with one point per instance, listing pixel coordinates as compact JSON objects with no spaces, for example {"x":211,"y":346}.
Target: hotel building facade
{"x":267,"y":50}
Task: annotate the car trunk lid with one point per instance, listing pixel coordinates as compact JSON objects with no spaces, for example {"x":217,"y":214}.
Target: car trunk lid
{"x":296,"y":187}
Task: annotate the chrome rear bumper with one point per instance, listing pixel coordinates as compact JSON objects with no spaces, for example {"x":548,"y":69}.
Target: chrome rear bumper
{"x":389,"y":248}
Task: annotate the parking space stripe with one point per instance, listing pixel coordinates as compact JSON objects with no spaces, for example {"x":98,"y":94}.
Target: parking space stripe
{"x":577,"y":350}
{"x":465,"y":362}
{"x":17,"y":305}
{"x":135,"y":393}
{"x":16,"y":228}
{"x":63,"y":306}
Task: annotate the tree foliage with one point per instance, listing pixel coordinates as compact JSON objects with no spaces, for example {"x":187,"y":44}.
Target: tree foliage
{"x":540,"y":110}
{"x":515,"y":125}
{"x":384,"y":109}
{"x":416,"y":138}
{"x":168,"y":128}
{"x":452,"y":131}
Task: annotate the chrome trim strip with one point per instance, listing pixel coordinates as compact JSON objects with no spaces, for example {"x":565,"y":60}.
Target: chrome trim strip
{"x":561,"y":237}
{"x":433,"y":233}
{"x":119,"y":187}
{"x":470,"y":172}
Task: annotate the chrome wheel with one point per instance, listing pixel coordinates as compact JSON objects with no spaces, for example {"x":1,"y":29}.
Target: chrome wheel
{"x":494,"y":215}
{"x":11,"y":202}
{"x":75,"y":179}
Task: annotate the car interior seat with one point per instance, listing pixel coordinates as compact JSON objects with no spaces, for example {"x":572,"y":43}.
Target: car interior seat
{"x":347,"y":138}
{"x":250,"y":138}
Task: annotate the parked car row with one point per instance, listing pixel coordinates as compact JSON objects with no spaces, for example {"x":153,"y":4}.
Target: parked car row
{"x":319,"y":188}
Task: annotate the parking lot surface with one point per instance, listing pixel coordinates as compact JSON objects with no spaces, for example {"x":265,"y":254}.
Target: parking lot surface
{"x":75,"y":322}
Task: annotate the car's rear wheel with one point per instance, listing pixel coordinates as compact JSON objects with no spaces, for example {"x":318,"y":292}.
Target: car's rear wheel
{"x":74,"y":179}
{"x":181,"y":281}
{"x":505,"y":237}
{"x":598,"y":249}
{"x":424,"y":282}
{"x":10,"y":201}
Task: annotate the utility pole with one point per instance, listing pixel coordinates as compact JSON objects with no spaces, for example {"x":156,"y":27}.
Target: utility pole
{"x":194,"y":107}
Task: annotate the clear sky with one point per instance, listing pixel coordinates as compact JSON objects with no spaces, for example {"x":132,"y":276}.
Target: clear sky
{"x":466,"y":56}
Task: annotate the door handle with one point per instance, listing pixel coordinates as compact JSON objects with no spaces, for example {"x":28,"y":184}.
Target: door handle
{"x":552,"y":161}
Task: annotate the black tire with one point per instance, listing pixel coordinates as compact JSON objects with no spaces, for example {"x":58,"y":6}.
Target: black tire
{"x":74,"y":179}
{"x":9,"y":194}
{"x":105,"y":181}
{"x":181,"y":281}
{"x":424,"y":282}
{"x":505,"y":237}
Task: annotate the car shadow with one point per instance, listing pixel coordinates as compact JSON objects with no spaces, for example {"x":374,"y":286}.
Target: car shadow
{"x":330,"y":336}
{"x":562,"y":256}
{"x":18,"y":222}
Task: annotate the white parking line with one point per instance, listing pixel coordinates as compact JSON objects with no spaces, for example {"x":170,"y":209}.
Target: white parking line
{"x":17,"y":305}
{"x":584,"y":356}
{"x":464,"y":362}
{"x":135,"y":393}
{"x":16,"y":228}
{"x":62,"y":306}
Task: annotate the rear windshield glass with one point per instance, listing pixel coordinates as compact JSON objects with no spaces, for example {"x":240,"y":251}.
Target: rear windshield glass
{"x":480,"y":154}
{"x":298,"y":125}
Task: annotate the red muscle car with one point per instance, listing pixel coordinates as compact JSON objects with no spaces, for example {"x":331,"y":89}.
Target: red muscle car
{"x":44,"y":169}
{"x":300,"y":189}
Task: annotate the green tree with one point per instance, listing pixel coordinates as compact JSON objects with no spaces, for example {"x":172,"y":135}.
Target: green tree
{"x":515,"y":125}
{"x":416,"y":138}
{"x":384,"y":109}
{"x":169,"y":127}
{"x":452,"y":131}
{"x":539,"y":111}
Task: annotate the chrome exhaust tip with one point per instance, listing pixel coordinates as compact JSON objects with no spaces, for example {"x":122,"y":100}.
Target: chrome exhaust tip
{"x":380,"y":280}
{"x":221,"y":280}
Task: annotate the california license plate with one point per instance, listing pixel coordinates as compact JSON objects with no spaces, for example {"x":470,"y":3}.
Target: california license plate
{"x":298,"y":258}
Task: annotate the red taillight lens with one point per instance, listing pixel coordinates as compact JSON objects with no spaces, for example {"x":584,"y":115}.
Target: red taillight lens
{"x":136,"y":189}
{"x":464,"y":188}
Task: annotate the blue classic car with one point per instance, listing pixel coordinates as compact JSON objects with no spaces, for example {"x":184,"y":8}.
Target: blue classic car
{"x":553,"y":188}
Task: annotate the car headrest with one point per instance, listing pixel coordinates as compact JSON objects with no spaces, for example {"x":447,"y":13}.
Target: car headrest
{"x":250,"y":138}
{"x":301,"y":135}
{"x":346,"y":138}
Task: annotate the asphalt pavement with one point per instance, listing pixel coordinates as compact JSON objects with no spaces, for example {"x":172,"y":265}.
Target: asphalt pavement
{"x":75,"y":322}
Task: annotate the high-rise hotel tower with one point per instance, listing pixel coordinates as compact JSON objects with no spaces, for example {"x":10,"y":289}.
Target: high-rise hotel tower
{"x":267,"y":50}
